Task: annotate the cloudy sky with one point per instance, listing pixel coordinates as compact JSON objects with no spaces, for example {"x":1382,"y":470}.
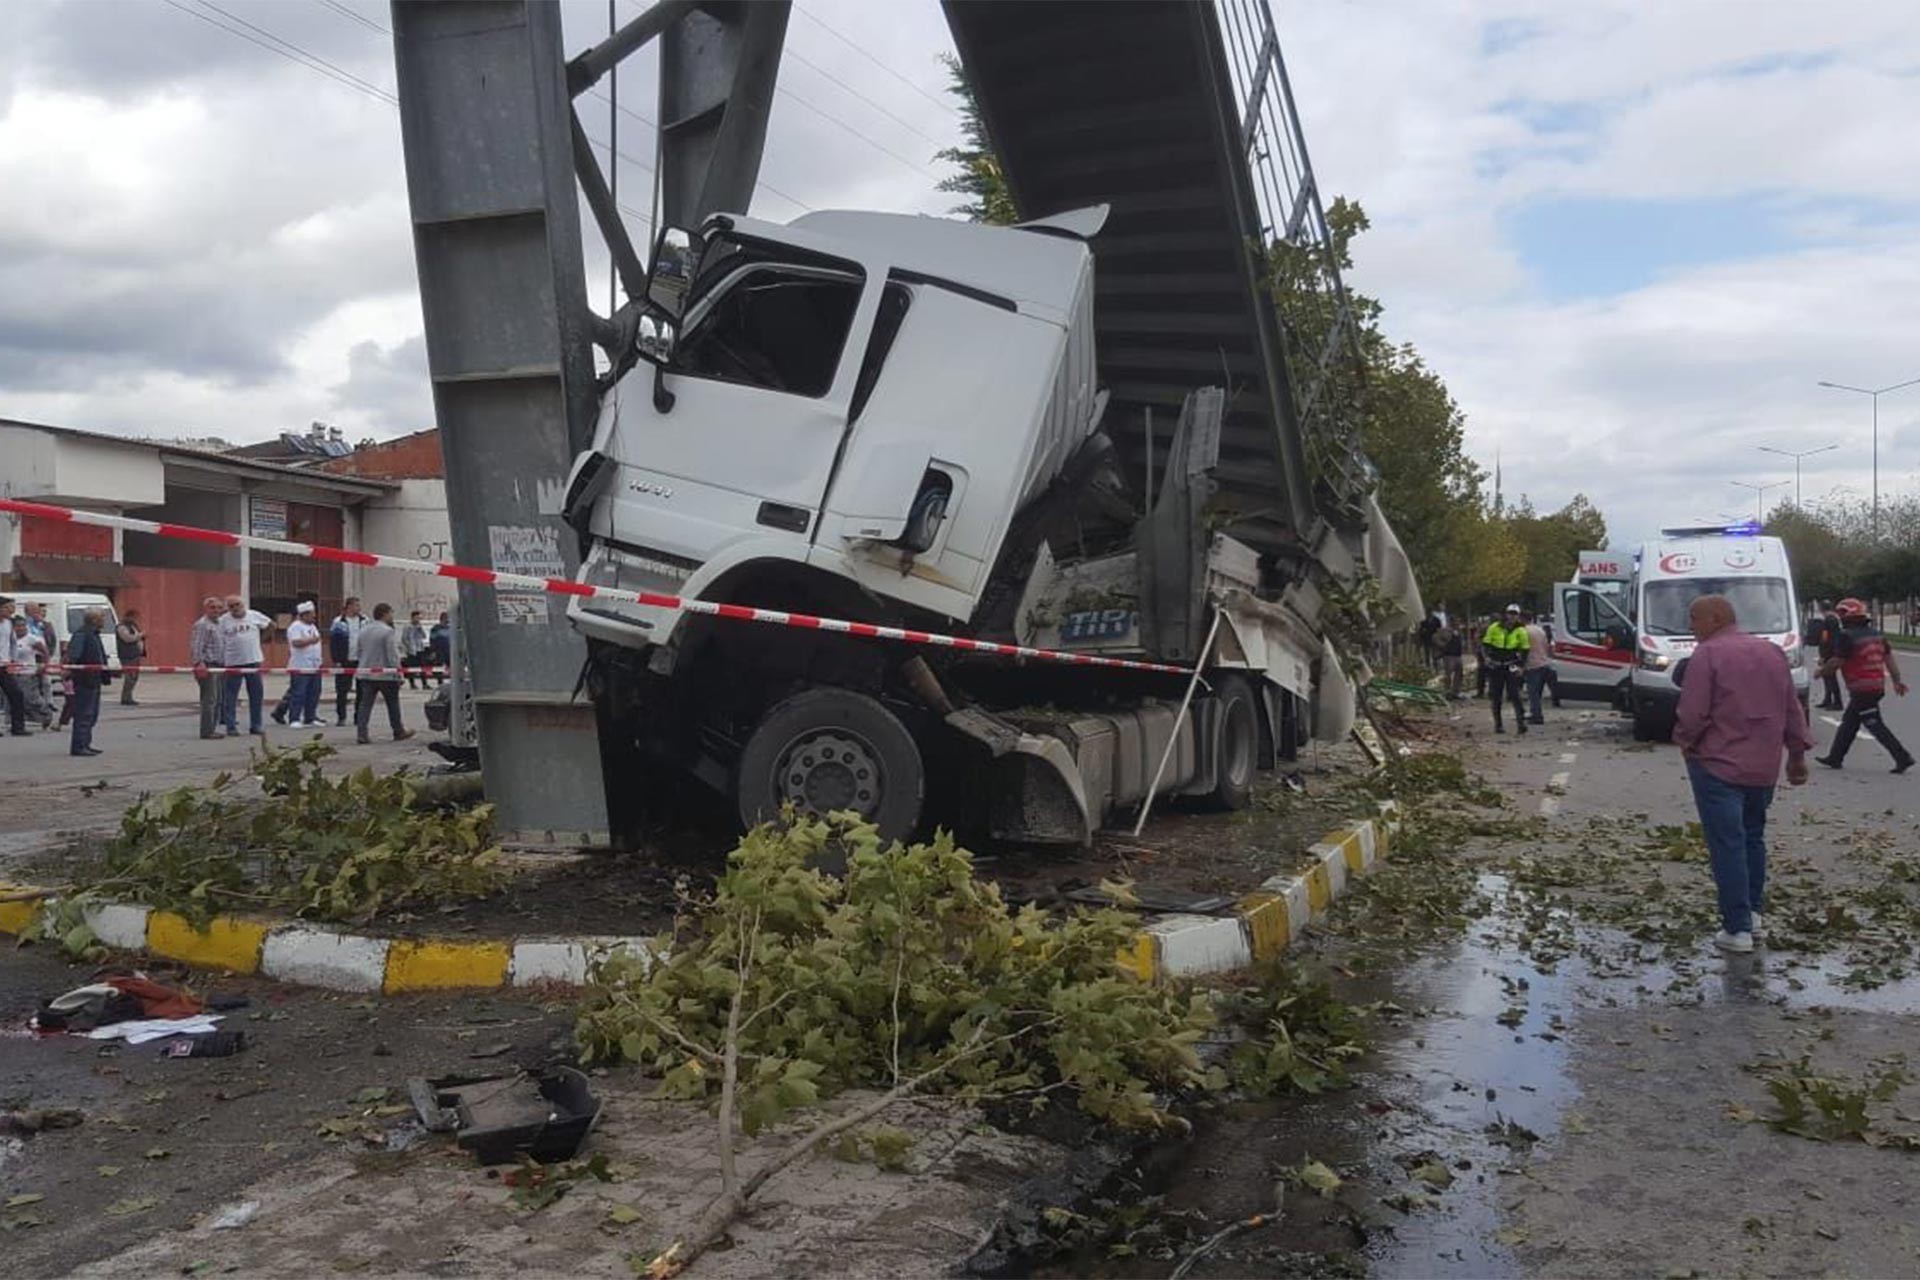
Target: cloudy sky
{"x":1631,"y":236}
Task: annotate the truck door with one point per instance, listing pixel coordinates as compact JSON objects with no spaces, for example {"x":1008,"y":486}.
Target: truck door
{"x":1592,"y":643}
{"x":760,"y":383}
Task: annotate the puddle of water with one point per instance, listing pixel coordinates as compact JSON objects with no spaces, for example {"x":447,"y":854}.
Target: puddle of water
{"x":1482,"y":1050}
{"x":1489,"y":1058}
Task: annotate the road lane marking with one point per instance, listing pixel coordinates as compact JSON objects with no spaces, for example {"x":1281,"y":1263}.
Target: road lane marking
{"x":1549,"y":805}
{"x":1832,"y":720}
{"x":1567,"y":757}
{"x":1560,"y":779}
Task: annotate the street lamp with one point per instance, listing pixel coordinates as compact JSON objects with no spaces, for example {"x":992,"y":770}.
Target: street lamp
{"x":1796,"y":455}
{"x":1759,"y":493}
{"x":1876,"y":393}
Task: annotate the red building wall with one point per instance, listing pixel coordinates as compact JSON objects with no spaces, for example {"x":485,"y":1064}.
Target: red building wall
{"x":414,"y":457}
{"x":64,"y":538}
{"x":169,"y":601}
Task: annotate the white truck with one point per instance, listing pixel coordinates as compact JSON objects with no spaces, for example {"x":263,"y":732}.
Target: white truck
{"x":896,"y":419}
{"x":1619,"y":635}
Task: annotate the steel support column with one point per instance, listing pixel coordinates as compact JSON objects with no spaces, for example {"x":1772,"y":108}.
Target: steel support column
{"x":485,"y":117}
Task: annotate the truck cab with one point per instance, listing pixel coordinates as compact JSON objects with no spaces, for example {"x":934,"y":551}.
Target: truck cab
{"x":855,"y":403}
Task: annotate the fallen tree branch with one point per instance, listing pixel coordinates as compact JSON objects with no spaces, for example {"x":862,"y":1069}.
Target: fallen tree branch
{"x":731,"y":1203}
{"x":1228,"y":1232}
{"x":33,"y":895}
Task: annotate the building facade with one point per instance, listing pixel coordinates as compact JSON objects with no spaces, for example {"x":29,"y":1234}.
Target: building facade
{"x":166,"y":579}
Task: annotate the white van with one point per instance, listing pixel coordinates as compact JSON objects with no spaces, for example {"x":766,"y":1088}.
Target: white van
{"x":1627,"y":655}
{"x":66,"y":610}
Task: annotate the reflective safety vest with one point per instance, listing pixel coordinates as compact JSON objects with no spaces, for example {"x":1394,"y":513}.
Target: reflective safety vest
{"x":1506,"y":644}
{"x":1863,"y":659}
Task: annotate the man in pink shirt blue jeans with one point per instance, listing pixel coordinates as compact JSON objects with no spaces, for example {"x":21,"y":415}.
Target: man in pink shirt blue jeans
{"x":1738,"y":714}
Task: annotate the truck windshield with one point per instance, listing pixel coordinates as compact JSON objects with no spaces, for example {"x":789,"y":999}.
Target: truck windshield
{"x":1760,"y":605}
{"x":774,"y":323}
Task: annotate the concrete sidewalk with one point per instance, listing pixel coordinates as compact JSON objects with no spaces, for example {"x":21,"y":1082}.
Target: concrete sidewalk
{"x":49,"y":796}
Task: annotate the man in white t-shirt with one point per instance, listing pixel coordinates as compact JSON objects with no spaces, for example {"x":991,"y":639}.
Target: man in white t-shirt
{"x":240,"y":632}
{"x":303,"y":688}
{"x":1539,"y":667}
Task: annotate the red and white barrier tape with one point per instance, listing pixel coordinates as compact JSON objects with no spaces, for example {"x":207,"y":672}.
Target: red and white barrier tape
{"x":563,"y":587}
{"x":175,"y":669}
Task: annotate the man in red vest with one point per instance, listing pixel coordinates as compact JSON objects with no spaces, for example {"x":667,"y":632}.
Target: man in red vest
{"x":1865,"y":661}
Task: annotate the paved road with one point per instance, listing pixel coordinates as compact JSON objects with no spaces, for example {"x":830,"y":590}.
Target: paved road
{"x":50,"y":796}
{"x":1588,"y":1068}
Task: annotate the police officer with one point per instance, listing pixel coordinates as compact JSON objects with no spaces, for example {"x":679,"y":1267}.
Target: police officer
{"x":1503,"y":650}
{"x":1863,"y":656}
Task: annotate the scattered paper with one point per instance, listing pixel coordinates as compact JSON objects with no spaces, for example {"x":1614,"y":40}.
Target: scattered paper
{"x":141,"y":1030}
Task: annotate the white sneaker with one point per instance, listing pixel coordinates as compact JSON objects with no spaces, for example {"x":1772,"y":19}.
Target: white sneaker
{"x":1739,"y":943}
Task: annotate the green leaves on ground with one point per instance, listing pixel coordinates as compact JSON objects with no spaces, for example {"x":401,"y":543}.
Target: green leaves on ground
{"x":1312,"y":1175}
{"x":328,"y":848}
{"x":909,"y":964}
{"x":1301,"y":1038}
{"x":1835,"y":1108}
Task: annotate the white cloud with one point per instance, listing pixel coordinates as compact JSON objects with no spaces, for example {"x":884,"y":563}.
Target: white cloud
{"x":199,"y":236}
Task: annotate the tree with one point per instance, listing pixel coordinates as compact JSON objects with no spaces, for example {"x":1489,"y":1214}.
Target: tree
{"x":981,"y":179}
{"x":1553,"y":543}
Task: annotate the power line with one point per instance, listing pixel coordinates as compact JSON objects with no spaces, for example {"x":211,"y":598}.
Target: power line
{"x":854,"y":45}
{"x":353,"y":15}
{"x":836,"y":120}
{"x":313,"y":62}
{"x":354,"y":82}
{"x":805,"y":61}
{"x":621,"y":107}
{"x":314,"y":57}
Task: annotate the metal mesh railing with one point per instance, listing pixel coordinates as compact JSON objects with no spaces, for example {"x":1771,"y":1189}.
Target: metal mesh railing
{"x":1318,"y":329}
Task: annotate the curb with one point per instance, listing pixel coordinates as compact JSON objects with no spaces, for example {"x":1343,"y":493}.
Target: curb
{"x":316,"y":957}
{"x":1271,"y":918}
{"x":1264,"y":924}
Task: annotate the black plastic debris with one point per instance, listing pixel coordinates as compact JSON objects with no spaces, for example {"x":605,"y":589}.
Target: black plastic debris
{"x":545,"y":1116}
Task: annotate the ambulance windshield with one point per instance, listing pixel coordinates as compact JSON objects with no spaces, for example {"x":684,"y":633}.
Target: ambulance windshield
{"x":1759,"y":604}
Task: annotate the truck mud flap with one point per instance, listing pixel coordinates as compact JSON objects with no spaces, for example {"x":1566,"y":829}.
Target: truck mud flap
{"x":1037,"y":792}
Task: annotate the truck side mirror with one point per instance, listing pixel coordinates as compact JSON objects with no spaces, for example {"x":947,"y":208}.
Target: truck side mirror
{"x":676,"y":257}
{"x":654,"y":338}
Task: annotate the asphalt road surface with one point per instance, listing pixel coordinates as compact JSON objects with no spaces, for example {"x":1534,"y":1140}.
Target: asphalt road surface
{"x":1591,"y":1074}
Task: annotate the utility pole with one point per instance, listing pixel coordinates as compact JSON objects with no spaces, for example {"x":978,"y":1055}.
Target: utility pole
{"x":1759,"y":493}
{"x":1875,"y":393}
{"x":1796,"y":455}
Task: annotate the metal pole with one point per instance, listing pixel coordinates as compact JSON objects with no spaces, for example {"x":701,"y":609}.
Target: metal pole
{"x":1876,"y":468}
{"x":613,"y":159}
{"x":1199,"y":666}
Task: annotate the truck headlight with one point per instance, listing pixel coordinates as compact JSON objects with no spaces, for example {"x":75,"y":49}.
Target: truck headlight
{"x":1654,"y":661}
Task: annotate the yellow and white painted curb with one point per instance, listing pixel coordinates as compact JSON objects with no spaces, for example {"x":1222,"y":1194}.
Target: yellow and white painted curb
{"x":1271,"y":918}
{"x":316,"y":957}
{"x":1264,"y":923}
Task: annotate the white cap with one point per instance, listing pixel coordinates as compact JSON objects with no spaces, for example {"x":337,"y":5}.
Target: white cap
{"x":1513,"y":608}
{"x":305,"y":606}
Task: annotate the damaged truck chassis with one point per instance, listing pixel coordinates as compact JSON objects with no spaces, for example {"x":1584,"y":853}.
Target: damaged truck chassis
{"x":894,"y":420}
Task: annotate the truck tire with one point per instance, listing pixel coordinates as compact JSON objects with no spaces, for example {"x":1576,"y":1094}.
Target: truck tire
{"x":826,"y":750}
{"x":1237,"y":744}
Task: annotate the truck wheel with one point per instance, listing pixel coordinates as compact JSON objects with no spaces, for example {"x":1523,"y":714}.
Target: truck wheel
{"x":1238,"y":745}
{"x":827,"y":750}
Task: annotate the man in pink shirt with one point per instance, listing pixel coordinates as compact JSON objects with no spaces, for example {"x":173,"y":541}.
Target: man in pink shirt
{"x":1737,"y":715}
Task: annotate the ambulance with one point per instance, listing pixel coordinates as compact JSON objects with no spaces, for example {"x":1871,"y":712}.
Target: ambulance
{"x":1622,"y":627}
